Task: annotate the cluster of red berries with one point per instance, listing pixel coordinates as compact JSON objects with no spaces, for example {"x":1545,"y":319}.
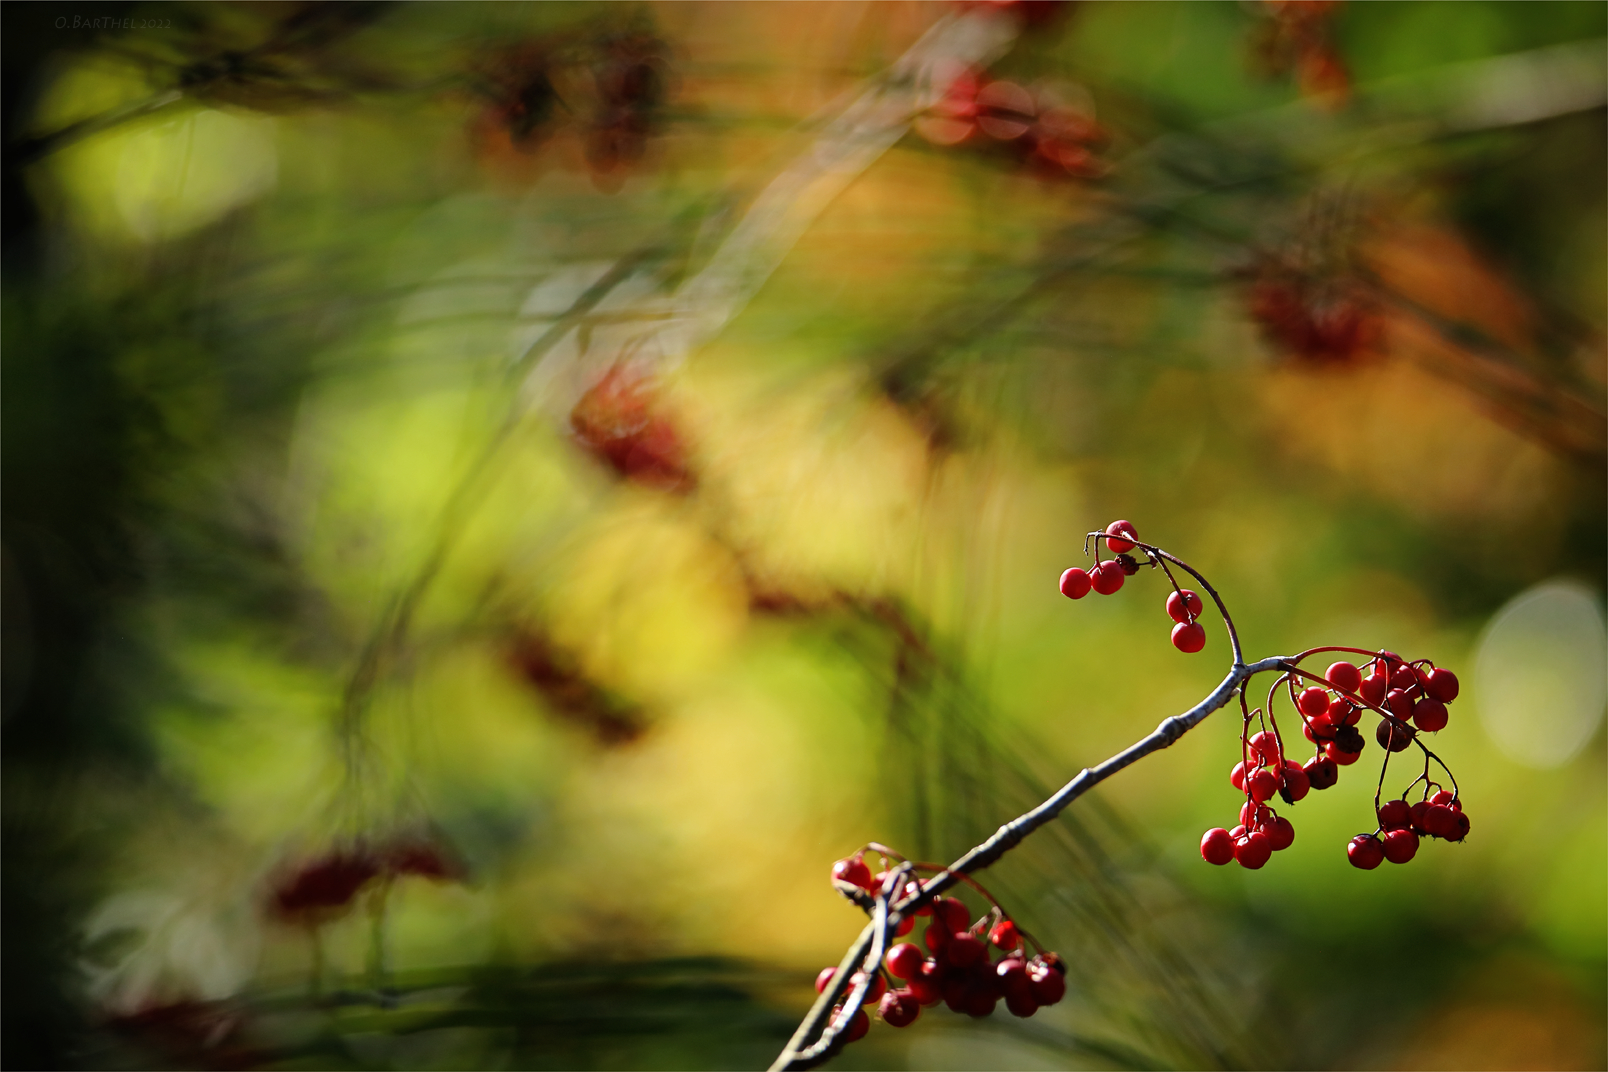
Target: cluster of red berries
{"x":1321,"y":320}
{"x":325,"y":886}
{"x":1411,"y":697}
{"x":960,"y":972}
{"x":1297,"y":36}
{"x":1037,"y":124}
{"x":1183,"y":605}
{"x":1402,"y":824}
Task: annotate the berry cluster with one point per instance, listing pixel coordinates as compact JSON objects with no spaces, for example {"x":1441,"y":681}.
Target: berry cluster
{"x":961,"y":970}
{"x":1411,"y":697}
{"x":1183,"y":605}
{"x":321,"y":888}
{"x":1039,"y":125}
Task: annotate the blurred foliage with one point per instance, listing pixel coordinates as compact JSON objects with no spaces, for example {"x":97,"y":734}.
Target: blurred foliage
{"x":411,"y":661}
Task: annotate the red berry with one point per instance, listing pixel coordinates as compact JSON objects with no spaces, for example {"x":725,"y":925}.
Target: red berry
{"x":1115,"y":531}
{"x":1049,"y":985}
{"x":1236,"y":776}
{"x":906,"y":925}
{"x":1395,"y":815}
{"x":1189,"y":638}
{"x":1183,"y":605}
{"x":1342,"y":712}
{"x":1439,"y":820}
{"x":1394,"y":736}
{"x":1365,"y":852}
{"x":874,"y":992}
{"x":912,"y":888}
{"x":1005,"y":935}
{"x":1280,"y":833}
{"x":1313,"y":702}
{"x":1265,"y":747}
{"x":1238,"y":832}
{"x":925,"y":985}
{"x":980,"y":1003}
{"x":1107,"y":577}
{"x":1403,"y":677}
{"x":1296,"y":782}
{"x":1262,"y":785}
{"x":853,"y":871}
{"x":1216,"y":847}
{"x":1253,"y":816}
{"x":1021,"y":1004}
{"x":1344,"y":676}
{"x":899,"y":1008}
{"x":823,"y":979}
{"x":1441,"y":796}
{"x":1322,"y":772}
{"x":1400,"y":846}
{"x":904,"y":960}
{"x":936,"y":935}
{"x":1399,"y":703}
{"x":1374,"y":687}
{"x":1417,"y":813}
{"x":1458,"y":828}
{"x":1075,"y":583}
{"x":963,"y":949}
{"x":1430,"y":714}
{"x":953,"y":912}
{"x":1320,"y":728}
{"x":1340,"y":755}
{"x":1013,"y":980}
{"x":858,"y":1026}
{"x":1442,"y":684}
{"x":1252,"y":850}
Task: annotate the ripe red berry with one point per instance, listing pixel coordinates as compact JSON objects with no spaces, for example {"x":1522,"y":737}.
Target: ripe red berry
{"x":1403,"y":677}
{"x":1296,"y":783}
{"x":1374,"y":687}
{"x":1115,"y":531}
{"x":899,"y":1008}
{"x":1322,"y":772}
{"x":963,"y":949}
{"x":1442,"y":685}
{"x":1005,"y":935}
{"x":1012,"y":975}
{"x":1262,"y":785}
{"x":1344,"y":676}
{"x":1399,"y":702}
{"x":953,"y":912}
{"x":906,"y":925}
{"x":1021,"y":1004}
{"x":1280,"y":833}
{"x":1395,"y":815}
{"x":1400,"y":846}
{"x":1183,"y":605}
{"x":1236,"y":777}
{"x":874,"y":992}
{"x":1439,"y":820}
{"x":1075,"y":583}
{"x":1252,"y":816}
{"x":1417,"y":813}
{"x":1216,"y":847}
{"x":936,"y":935}
{"x":1313,"y":702}
{"x":1252,"y":850}
{"x":980,"y":1003}
{"x":1264,"y":746}
{"x":1049,"y":984}
{"x":1457,"y":830}
{"x":858,"y":1026}
{"x":1394,"y":736}
{"x":912,"y":888}
{"x":926,"y":986}
{"x":904,"y":960}
{"x":823,"y":979}
{"x":1107,"y":577}
{"x":1342,"y":712}
{"x":1441,"y":796}
{"x":1430,"y":714}
{"x":1318,"y":729}
{"x":1365,"y":852}
{"x":1189,"y":638}
{"x":1340,"y":755}
{"x":853,"y":870}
